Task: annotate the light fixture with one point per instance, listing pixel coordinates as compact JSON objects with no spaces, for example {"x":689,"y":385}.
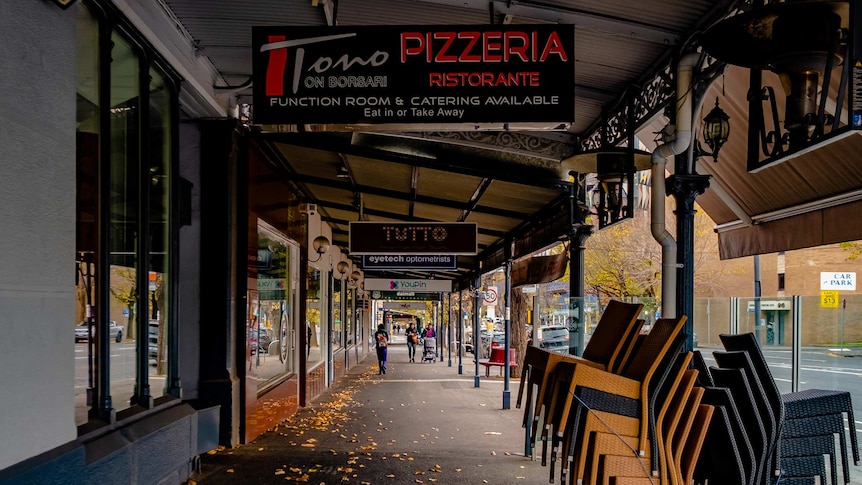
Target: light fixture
{"x":342,"y":268}
{"x":614,"y":168}
{"x":716,"y":130}
{"x":800,"y":40}
{"x":342,"y":172}
{"x":64,"y":4}
{"x":320,"y":246}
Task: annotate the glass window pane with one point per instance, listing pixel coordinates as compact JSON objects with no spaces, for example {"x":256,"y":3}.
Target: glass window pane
{"x":86,"y":206}
{"x":125,"y":183}
{"x":272,"y":337}
{"x":159,"y":143}
{"x":314,"y":316}
{"x":337,"y":337}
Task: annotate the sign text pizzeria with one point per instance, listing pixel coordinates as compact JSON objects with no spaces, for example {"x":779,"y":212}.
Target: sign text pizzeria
{"x":414,"y":74}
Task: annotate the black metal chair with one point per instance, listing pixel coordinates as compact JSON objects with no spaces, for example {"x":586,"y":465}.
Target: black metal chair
{"x":803,"y":466}
{"x":826,"y":425}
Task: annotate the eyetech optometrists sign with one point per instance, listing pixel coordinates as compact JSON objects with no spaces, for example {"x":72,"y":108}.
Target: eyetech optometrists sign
{"x":413,"y":74}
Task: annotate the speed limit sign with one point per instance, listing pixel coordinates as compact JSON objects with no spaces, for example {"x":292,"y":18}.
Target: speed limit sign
{"x":490,"y":296}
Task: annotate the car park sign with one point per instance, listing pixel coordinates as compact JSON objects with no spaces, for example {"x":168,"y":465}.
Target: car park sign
{"x":841,"y":281}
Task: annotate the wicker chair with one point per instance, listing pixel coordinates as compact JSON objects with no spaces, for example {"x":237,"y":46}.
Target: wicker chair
{"x":682,"y":400}
{"x":729,"y":458}
{"x":803,"y":466}
{"x":760,"y":404}
{"x":595,"y":438}
{"x":747,"y":342}
{"x":632,"y":386}
{"x":815,"y":403}
{"x":737,"y":383}
{"x":823,"y":445}
{"x":610,"y":348}
{"x":827,"y":425}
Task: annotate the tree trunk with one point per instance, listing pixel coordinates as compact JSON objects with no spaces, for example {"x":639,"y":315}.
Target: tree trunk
{"x":520,"y":304}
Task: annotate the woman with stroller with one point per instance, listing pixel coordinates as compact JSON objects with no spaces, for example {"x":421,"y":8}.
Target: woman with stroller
{"x":381,"y":338}
{"x":412,"y":339}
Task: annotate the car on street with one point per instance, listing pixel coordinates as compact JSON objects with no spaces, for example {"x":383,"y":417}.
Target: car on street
{"x":82,"y":334}
{"x":554,"y":337}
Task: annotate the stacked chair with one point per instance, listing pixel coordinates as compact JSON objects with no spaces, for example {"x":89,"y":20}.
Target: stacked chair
{"x":762,"y":436}
{"x":638,"y":420}
{"x":609,"y":347}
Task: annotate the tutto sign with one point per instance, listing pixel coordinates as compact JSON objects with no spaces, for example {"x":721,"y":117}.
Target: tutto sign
{"x":384,"y":284}
{"x":413,"y":74}
{"x":412,"y":238}
{"x":838,"y":281}
{"x":441,"y":262}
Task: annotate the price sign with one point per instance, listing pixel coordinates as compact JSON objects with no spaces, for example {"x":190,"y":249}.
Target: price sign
{"x":829,"y":299}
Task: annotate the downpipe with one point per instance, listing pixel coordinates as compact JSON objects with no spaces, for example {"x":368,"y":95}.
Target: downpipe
{"x":679,"y":144}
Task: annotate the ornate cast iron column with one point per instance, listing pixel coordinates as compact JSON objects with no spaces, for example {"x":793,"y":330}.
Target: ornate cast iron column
{"x":685,"y":188}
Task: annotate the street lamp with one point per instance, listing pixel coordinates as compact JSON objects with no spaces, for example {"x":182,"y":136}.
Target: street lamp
{"x":716,"y":130}
{"x":320,"y":246}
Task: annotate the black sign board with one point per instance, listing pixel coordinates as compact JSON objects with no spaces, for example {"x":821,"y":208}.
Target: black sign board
{"x":439,"y":262}
{"x":413,"y":74}
{"x":412,"y":237}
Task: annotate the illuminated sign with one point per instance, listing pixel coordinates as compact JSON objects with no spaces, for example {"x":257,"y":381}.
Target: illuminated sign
{"x":413,"y":74}
{"x":413,"y":238}
{"x":398,"y":284}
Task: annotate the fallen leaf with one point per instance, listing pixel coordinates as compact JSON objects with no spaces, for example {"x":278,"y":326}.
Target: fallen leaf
{"x":390,"y":476}
{"x":493,"y":453}
{"x":280,"y":472}
{"x":229,"y":470}
{"x":492,"y":432}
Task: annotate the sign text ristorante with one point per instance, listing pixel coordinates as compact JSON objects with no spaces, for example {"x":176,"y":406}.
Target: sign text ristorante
{"x":414,"y":74}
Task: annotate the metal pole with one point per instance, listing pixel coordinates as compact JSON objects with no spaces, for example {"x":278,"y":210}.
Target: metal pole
{"x":796,"y":349}
{"x":757,"y":294}
{"x":843,"y":309}
{"x":449,"y":331}
{"x":460,"y":333}
{"x":477,"y":337}
{"x":507,"y":322}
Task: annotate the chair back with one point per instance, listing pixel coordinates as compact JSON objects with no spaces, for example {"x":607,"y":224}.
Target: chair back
{"x":616,"y":329}
{"x":655,"y":346}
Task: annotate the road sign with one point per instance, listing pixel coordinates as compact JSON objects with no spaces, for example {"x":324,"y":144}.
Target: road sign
{"x":829,"y":299}
{"x":489,"y":297}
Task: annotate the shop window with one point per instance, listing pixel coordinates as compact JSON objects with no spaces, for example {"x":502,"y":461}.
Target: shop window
{"x":124,"y":152}
{"x":315,"y":317}
{"x":271,"y":335}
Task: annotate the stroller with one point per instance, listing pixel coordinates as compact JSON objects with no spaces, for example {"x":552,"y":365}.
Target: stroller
{"x":429,"y":350}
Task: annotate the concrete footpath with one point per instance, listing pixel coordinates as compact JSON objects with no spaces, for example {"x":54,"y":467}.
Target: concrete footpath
{"x":419,"y":423}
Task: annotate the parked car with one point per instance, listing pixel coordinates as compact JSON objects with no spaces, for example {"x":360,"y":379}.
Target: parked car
{"x":554,"y":337}
{"x":153,"y":341}
{"x":82,"y":334}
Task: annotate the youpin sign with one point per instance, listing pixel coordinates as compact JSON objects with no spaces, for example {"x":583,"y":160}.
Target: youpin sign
{"x":838,"y":281}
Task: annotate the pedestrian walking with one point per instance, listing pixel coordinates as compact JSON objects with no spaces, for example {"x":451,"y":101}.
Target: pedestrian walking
{"x":412,"y":339}
{"x":381,"y":337}
{"x":429,"y":331}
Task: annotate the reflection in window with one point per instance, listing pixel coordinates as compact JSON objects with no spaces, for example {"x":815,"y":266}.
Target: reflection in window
{"x":125,"y":169}
{"x":337,"y":336}
{"x":271,"y":336}
{"x":86,"y":209}
{"x":314,"y":316}
{"x":159,"y":168}
{"x":121,"y":194}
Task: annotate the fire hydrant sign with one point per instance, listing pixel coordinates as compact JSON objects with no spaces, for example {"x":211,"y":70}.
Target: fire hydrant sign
{"x":838,"y":281}
{"x":413,"y":74}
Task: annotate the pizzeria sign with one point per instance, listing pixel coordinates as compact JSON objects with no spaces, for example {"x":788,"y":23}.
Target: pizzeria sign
{"x":413,"y":74}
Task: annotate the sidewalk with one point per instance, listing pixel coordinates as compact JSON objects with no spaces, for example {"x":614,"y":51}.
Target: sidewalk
{"x":417,"y":424}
